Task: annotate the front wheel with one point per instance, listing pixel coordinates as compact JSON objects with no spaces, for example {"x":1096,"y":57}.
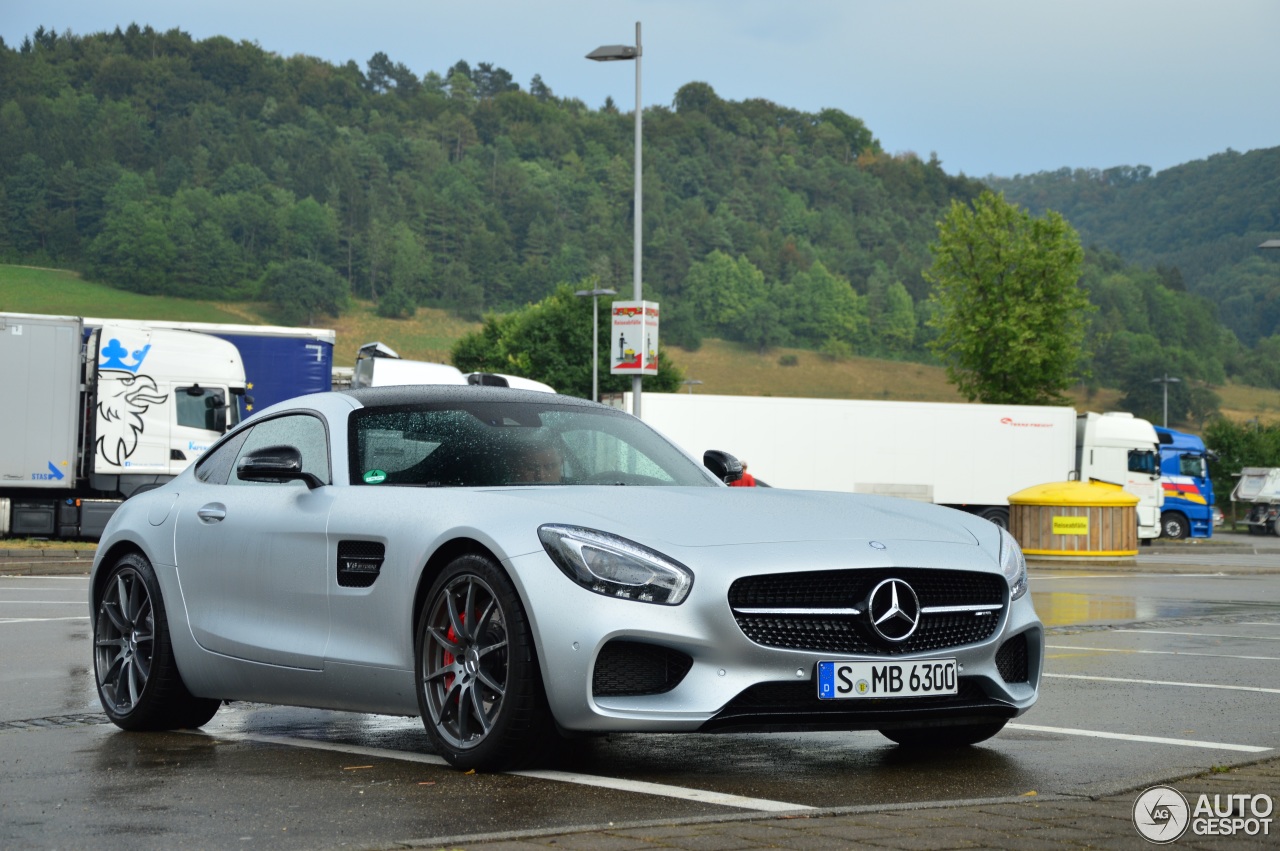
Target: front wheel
{"x":944,"y":737}
{"x":1173,"y":525}
{"x":479,"y":688}
{"x":139,"y":684}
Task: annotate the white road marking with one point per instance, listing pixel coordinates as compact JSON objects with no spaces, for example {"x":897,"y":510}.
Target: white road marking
{"x":1201,"y":634}
{"x":699,"y":795}
{"x":43,"y":602}
{"x":1164,"y":683}
{"x":1259,"y":623}
{"x":1162,"y":652}
{"x":43,"y":620}
{"x":1126,"y":737}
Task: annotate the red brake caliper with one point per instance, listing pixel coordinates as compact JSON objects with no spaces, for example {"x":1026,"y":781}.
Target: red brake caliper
{"x":452,"y":635}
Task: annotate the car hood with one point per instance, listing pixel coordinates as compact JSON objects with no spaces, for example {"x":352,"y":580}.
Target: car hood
{"x":709,"y":517}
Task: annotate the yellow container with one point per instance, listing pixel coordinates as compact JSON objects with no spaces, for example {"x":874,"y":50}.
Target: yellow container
{"x":1076,"y":520}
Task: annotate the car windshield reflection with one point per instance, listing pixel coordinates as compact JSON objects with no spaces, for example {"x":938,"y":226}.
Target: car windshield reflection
{"x":498,"y":444}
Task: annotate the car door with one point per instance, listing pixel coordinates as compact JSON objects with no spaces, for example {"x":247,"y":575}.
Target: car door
{"x":252,"y":556}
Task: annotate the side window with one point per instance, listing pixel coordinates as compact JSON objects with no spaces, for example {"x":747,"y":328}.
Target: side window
{"x":214,"y":467}
{"x":206,"y":409}
{"x":303,"y":431}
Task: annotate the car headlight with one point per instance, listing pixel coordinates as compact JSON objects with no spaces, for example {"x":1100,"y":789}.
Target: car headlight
{"x":614,"y":566}
{"x":1013,"y":564}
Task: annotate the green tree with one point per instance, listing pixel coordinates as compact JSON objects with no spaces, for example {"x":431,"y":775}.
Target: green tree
{"x":721,"y":291}
{"x":300,"y":290}
{"x":1011,"y":313}
{"x":551,"y":342}
{"x":823,"y":309}
{"x":1239,"y":445}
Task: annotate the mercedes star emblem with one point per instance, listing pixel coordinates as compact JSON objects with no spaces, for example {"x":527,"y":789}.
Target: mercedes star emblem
{"x":894,"y":610}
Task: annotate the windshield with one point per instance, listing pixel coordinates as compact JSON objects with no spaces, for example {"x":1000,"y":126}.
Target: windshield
{"x":487,"y":444}
{"x":1192,"y":465}
{"x":1142,"y":462}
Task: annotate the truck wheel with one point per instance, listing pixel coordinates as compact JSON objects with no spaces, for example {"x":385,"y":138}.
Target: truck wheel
{"x":479,"y":687}
{"x":944,"y":737}
{"x":139,"y":684}
{"x":998,"y":516}
{"x":1173,"y":525}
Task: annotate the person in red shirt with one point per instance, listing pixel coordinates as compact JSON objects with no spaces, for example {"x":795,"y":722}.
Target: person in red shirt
{"x":747,"y":480}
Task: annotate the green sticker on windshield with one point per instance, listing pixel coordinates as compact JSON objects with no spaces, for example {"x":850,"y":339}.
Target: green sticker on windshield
{"x":375,"y":477}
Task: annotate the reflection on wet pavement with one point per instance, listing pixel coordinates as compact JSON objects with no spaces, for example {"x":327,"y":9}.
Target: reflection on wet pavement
{"x":1069,"y":608}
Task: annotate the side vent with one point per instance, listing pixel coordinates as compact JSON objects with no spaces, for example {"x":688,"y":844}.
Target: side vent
{"x":359,"y":563}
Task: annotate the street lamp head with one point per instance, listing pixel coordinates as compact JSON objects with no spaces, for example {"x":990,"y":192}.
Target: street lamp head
{"x":596,"y":292}
{"x":614,"y":53}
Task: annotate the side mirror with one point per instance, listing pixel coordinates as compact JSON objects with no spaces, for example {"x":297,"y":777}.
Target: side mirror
{"x":722,"y":465}
{"x":275,"y":464}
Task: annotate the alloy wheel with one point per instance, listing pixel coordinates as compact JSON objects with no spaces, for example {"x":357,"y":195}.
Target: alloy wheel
{"x":125,"y":641}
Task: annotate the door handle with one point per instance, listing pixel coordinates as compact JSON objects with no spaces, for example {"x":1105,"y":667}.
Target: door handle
{"x":212,"y":513}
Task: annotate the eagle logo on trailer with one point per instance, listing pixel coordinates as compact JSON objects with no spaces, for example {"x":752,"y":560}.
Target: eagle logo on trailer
{"x":123,"y":397}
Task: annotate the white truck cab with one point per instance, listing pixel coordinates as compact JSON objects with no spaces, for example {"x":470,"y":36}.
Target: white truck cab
{"x":163,"y":397}
{"x":1124,"y":450}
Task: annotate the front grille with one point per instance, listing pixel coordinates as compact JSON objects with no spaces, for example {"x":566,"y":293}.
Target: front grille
{"x":852,"y":633}
{"x":796,"y":705}
{"x":1011,"y":660}
{"x":632,"y":668}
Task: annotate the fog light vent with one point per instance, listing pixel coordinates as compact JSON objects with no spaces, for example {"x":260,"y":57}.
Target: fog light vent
{"x":633,"y":668}
{"x":1011,"y":660}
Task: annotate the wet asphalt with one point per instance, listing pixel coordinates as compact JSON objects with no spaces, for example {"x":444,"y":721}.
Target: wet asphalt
{"x":1130,"y":646}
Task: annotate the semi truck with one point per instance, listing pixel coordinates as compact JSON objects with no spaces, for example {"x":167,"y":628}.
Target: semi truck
{"x":97,"y":412}
{"x":279,"y":363}
{"x":967,"y":456}
{"x":1188,"y":492}
{"x":379,"y":365}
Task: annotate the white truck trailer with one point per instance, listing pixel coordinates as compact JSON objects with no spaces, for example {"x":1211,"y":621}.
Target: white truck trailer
{"x":971,"y":457}
{"x":97,"y":413}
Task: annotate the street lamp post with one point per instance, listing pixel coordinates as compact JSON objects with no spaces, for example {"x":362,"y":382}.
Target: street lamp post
{"x":615,"y":53}
{"x":595,"y":337}
{"x":1166,"y":381}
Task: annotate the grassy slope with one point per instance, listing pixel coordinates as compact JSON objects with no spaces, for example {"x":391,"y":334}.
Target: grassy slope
{"x":723,"y":368}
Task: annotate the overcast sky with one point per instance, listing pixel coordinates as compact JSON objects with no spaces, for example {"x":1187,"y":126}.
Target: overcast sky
{"x":998,"y":87}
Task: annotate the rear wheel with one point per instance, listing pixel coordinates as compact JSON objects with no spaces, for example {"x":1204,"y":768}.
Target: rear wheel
{"x":1173,"y":525}
{"x":944,"y":737}
{"x":479,"y":688}
{"x":997,"y":515}
{"x":139,"y":684}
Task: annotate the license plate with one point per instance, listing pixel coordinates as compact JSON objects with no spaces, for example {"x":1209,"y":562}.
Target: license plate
{"x":841,"y":680}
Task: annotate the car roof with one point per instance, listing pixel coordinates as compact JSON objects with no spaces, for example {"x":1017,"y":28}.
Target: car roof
{"x":416,"y":394}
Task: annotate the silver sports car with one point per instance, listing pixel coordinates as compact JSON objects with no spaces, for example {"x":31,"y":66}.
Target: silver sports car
{"x":516,"y":566}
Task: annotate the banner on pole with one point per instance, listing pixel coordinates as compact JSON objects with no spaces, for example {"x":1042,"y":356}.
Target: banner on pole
{"x":633,"y":346}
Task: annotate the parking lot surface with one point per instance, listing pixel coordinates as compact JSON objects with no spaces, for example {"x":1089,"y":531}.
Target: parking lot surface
{"x":1160,"y":671}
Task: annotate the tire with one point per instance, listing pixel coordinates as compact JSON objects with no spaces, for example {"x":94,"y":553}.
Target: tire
{"x":480,"y":690}
{"x":998,"y":516}
{"x":139,"y":684}
{"x":1173,"y":525}
{"x":944,"y":737}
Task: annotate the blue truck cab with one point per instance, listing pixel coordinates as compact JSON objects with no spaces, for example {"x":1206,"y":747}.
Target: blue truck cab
{"x":1188,"y":493}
